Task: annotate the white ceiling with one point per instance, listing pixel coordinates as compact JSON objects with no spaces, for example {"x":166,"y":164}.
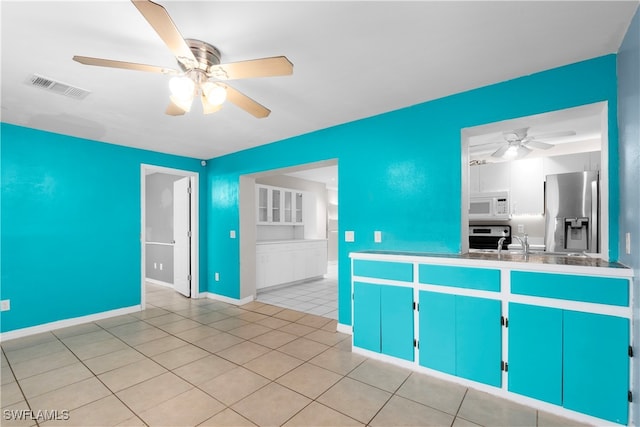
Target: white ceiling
{"x":351,"y":60}
{"x":584,"y":122}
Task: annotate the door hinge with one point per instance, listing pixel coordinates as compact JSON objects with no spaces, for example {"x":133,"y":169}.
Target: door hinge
{"x":189,"y":277}
{"x":416,"y":344}
{"x":630,"y":396}
{"x":416,"y":306}
{"x":504,"y":321}
{"x":504,"y":366}
{"x":189,"y":189}
{"x":189,"y":233}
{"x":630,"y":351}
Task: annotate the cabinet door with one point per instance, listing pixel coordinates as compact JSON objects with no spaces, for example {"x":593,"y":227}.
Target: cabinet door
{"x":366,"y":316}
{"x":396,"y":319}
{"x":527,"y":187}
{"x":596,"y":365}
{"x":275,"y":206}
{"x":288,"y":206}
{"x":263,"y":204}
{"x":437,"y":326}
{"x":535,"y":352}
{"x":478,"y":340}
{"x":298,"y":208}
{"x":494,"y":176}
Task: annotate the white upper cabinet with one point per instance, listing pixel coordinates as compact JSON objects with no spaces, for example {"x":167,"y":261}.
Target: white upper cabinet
{"x":527,"y":187}
{"x":493,"y":177}
{"x":278,"y":205}
{"x":570,"y":163}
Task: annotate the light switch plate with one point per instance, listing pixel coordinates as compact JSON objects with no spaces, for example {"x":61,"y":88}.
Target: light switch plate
{"x":232,"y":234}
{"x":377,"y":236}
{"x":5,"y":305}
{"x":349,"y":236}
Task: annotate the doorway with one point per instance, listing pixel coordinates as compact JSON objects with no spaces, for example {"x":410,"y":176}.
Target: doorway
{"x":169,"y":230}
{"x":281,"y":258}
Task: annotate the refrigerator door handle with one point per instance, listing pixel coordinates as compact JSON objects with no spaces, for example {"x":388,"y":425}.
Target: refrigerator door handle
{"x":593,"y":238}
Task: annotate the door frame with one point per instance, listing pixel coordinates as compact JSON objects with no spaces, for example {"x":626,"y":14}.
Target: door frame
{"x":147,"y":169}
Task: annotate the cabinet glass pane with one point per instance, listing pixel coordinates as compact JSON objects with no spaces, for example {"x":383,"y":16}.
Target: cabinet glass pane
{"x":263,"y":204}
{"x":275,"y":206}
{"x":298,"y":207}
{"x":287,"y":206}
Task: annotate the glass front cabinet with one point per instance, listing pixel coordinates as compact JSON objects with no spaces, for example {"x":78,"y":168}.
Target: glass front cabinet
{"x":279,"y":205}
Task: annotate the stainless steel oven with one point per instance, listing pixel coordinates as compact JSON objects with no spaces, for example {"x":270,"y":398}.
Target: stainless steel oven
{"x":487,"y":236}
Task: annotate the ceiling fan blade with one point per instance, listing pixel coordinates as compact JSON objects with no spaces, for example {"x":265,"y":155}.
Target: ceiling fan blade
{"x":162,"y":23}
{"x":500,"y":151}
{"x":539,"y":145}
{"x":208,"y":108}
{"x":86,"y":60}
{"x":174,"y":110}
{"x":246,"y":103}
{"x":265,"y":67}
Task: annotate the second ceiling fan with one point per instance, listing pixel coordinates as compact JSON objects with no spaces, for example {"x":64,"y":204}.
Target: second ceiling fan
{"x":201,"y":72}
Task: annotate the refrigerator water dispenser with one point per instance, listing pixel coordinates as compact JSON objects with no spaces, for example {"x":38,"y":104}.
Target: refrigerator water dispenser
{"x":576,"y":234}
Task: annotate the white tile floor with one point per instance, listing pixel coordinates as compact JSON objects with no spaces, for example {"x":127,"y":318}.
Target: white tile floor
{"x":184,"y":362}
{"x":319,"y":297}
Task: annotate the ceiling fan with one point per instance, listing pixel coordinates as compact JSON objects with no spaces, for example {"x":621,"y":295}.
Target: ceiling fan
{"x":517,"y":143}
{"x":201,"y":72}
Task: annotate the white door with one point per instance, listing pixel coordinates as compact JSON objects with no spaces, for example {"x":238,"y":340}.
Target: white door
{"x":181,"y":236}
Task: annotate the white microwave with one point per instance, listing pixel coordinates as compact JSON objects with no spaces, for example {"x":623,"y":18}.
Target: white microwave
{"x":489,"y":206}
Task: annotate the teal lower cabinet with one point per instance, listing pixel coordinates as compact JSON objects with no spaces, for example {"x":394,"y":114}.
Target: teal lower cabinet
{"x":383,"y":319}
{"x":461,"y":335}
{"x":535,"y":352}
{"x":596,"y":365}
{"x":569,"y":358}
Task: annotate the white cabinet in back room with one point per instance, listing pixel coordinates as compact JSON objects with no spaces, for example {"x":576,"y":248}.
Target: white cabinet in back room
{"x":527,"y":187}
{"x":280,"y":206}
{"x":493,"y":177}
{"x":280,"y":263}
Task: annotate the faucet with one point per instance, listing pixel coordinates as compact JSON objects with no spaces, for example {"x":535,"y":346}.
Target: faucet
{"x":524,"y":242}
{"x":500,"y":243}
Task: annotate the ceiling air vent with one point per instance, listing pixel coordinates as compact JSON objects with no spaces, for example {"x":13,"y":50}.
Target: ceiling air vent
{"x":57,"y":87}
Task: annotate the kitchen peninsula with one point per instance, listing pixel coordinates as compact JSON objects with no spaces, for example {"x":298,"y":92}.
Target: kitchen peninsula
{"x":547,"y":331}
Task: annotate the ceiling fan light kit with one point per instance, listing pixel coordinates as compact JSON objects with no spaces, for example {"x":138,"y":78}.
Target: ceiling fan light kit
{"x":200,"y":68}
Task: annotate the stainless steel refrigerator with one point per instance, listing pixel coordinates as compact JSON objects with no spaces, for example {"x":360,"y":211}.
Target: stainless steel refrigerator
{"x":572,"y":212}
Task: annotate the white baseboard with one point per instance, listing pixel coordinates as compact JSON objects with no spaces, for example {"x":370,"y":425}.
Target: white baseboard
{"x":46,"y":327}
{"x":159,"y":282}
{"x":229,"y":300}
{"x":345,"y":329}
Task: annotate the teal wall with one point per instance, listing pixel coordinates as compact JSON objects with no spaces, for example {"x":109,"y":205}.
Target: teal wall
{"x":70,"y":226}
{"x":629,"y":124}
{"x":400,"y":172}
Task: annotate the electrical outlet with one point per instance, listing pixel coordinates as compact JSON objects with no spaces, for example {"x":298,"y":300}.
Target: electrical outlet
{"x":216,"y":277}
{"x":377,"y":236}
{"x":627,"y":243}
{"x":160,"y":266}
{"x":155,"y":265}
{"x":521,"y":228}
{"x":349,"y":236}
{"x":5,"y":305}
